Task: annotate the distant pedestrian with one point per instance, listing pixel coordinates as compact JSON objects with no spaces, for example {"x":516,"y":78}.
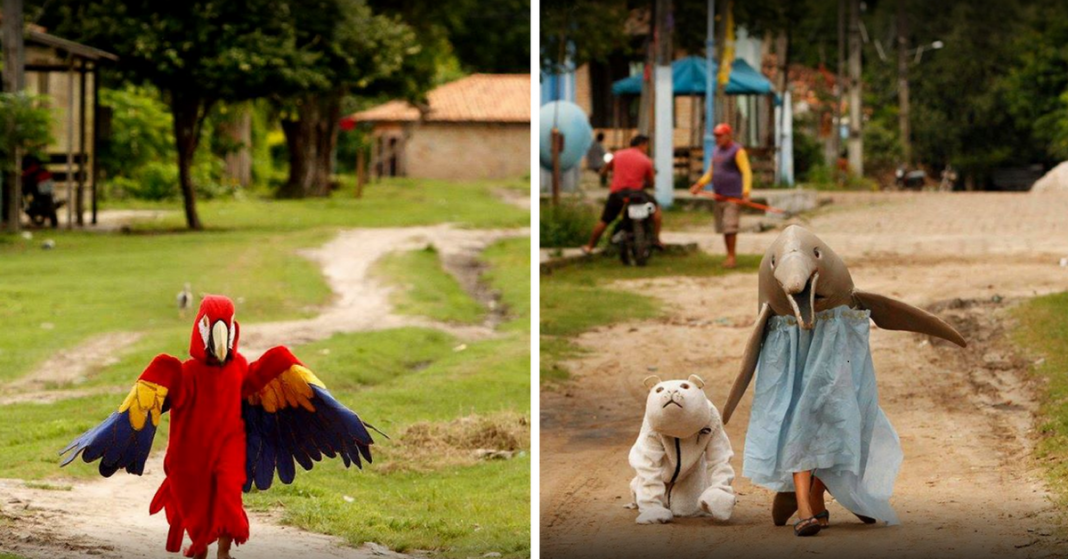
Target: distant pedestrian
{"x":595,"y":158}
{"x":733,"y":178}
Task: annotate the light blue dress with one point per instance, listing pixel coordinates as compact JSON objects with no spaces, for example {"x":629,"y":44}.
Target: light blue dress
{"x":816,"y":407}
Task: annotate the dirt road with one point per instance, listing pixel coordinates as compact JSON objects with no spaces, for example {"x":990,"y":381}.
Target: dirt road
{"x":109,"y":517}
{"x":968,"y":486}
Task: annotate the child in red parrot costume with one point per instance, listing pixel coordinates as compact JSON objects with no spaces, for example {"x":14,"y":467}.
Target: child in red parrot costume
{"x":233,"y":423}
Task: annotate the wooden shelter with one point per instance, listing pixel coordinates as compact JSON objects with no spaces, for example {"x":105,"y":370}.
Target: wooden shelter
{"x":67,"y":72}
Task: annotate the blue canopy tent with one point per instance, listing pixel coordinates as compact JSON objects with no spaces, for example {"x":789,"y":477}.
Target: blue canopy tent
{"x":688,"y":78}
{"x":754,"y":125}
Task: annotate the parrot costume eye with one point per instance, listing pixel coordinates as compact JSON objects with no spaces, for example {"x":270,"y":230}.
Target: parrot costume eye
{"x":233,"y":331}
{"x":205,"y":329}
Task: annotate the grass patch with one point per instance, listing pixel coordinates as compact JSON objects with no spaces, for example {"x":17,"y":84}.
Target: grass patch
{"x":424,"y":288}
{"x":1043,"y":331}
{"x":509,"y":275}
{"x":400,"y":202}
{"x":576,"y":298}
{"x":47,"y":486}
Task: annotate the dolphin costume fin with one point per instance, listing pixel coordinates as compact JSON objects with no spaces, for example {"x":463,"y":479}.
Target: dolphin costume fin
{"x":891,"y":314}
{"x":749,"y":362}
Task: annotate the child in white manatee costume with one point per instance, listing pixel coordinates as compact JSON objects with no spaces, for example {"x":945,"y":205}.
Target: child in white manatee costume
{"x":682,"y":455}
{"x":816,"y":425}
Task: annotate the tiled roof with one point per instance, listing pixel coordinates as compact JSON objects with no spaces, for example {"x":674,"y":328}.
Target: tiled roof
{"x":476,"y":98}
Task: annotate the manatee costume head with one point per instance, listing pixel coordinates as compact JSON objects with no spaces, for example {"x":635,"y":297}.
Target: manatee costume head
{"x":801,"y":276}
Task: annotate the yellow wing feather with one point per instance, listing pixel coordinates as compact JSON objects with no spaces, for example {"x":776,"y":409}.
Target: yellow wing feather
{"x":144,"y":400}
{"x":290,"y":389}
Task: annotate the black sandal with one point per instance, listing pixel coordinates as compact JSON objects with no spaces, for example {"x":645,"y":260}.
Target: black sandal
{"x":824,"y":516}
{"x":807,"y":527}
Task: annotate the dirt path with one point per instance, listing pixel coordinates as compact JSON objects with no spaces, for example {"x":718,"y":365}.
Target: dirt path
{"x":109,"y":517}
{"x":968,"y":486}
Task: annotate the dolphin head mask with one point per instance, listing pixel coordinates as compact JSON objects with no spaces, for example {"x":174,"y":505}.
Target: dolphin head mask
{"x":800,"y":276}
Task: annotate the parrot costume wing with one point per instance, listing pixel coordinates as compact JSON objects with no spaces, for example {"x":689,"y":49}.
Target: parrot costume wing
{"x":124,"y":439}
{"x":290,"y":417}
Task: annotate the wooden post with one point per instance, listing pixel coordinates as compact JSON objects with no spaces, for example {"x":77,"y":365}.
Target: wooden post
{"x":96,"y":136}
{"x":83,"y":164}
{"x":14,"y":81}
{"x":840,"y":89}
{"x":361,"y":164}
{"x":557,"y":145}
{"x":70,"y":144}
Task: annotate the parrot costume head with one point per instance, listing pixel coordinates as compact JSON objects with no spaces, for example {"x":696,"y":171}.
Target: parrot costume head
{"x":215,"y":332}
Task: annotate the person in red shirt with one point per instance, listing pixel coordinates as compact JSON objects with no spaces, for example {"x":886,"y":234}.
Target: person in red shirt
{"x":631,"y":170}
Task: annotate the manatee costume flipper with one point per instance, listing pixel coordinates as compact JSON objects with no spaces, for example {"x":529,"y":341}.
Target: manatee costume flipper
{"x":891,"y":314}
{"x":749,"y":363}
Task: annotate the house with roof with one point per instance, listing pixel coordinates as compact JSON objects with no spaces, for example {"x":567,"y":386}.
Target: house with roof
{"x":477,"y":127}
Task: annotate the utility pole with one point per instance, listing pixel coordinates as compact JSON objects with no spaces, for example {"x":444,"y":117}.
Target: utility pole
{"x":840,"y":83}
{"x":710,"y":86}
{"x":903,"y":83}
{"x":664,"y":100}
{"x":14,"y":81}
{"x":645,"y":103}
{"x":856,"y":139}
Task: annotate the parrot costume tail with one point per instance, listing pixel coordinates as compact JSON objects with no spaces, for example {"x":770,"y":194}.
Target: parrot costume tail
{"x":224,"y":522}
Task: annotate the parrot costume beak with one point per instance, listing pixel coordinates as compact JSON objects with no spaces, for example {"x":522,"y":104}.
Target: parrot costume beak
{"x":220,"y":339}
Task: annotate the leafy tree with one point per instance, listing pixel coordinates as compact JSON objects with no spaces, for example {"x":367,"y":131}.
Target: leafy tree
{"x":355,"y":51}
{"x":582,"y":31}
{"x":196,"y":52}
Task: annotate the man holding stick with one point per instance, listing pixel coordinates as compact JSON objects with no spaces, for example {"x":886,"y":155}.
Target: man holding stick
{"x":733,"y":179}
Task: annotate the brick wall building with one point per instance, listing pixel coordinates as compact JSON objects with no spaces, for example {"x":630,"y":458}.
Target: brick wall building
{"x":476,"y":127}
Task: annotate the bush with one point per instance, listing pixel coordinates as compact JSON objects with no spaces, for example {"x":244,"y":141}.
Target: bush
{"x":808,"y":156}
{"x":141,"y":131}
{"x":25,"y":123}
{"x":567,"y":225}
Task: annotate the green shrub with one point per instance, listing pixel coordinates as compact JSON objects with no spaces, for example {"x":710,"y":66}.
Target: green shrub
{"x":567,"y":225}
{"x":141,"y":131}
{"x":25,"y":123}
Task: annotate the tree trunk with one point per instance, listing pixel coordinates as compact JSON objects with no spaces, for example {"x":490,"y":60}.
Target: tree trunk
{"x":187,"y":119}
{"x":903,"y":83}
{"x":856,"y":115}
{"x":312,"y":140}
{"x":326,"y":131}
{"x":238,"y":131}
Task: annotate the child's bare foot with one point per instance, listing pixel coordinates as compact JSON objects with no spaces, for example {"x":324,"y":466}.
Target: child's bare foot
{"x":729,"y":262}
{"x":224,"y":548}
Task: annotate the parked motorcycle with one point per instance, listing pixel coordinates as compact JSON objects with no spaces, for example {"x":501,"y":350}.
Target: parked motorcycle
{"x":909,"y":180}
{"x":633,"y":234}
{"x":37,"y":193}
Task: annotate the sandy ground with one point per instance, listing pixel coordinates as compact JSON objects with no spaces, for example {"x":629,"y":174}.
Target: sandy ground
{"x":968,"y":487}
{"x":109,"y":517}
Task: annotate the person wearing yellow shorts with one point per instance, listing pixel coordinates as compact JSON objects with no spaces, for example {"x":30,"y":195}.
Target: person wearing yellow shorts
{"x":733,"y":178}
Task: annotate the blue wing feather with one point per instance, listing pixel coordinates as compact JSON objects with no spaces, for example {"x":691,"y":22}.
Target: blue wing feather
{"x":115,"y":443}
{"x":275,"y":440}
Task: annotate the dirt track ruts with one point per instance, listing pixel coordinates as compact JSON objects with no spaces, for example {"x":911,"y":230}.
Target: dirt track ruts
{"x":968,"y":486}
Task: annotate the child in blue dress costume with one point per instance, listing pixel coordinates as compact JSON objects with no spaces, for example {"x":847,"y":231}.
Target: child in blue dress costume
{"x":816,"y":425}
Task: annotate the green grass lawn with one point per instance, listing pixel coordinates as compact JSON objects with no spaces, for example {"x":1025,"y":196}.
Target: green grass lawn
{"x":408,"y":381}
{"x":398,"y":202}
{"x":1043,"y":332}
{"x":577,"y":298}
{"x":424,"y":288}
{"x":93,"y":283}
